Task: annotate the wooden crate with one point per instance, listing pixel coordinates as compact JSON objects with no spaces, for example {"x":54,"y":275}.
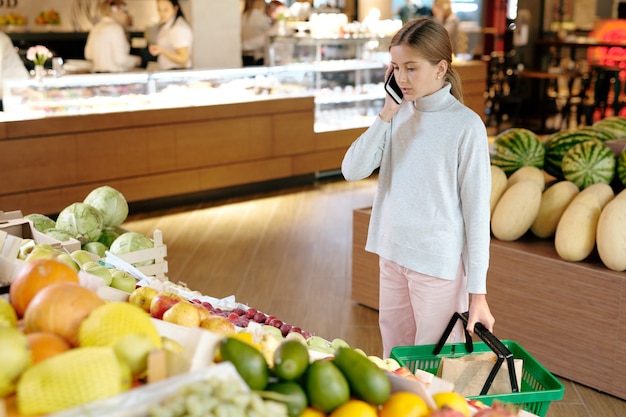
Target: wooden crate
{"x":157,"y":254}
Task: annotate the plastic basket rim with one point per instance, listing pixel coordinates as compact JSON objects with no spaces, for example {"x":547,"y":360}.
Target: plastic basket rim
{"x":554,"y":388}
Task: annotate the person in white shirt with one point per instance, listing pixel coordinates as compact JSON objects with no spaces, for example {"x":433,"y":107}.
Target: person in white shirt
{"x":107,"y":44}
{"x":255,"y":25}
{"x":430,"y":223}
{"x":11,"y":65}
{"x":174,"y":39}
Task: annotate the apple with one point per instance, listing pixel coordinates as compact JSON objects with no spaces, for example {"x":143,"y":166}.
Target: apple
{"x":66,"y":258}
{"x":41,"y":251}
{"x":142,"y":297}
{"x":183,"y":313}
{"x":202,"y":311}
{"x":296,"y":336}
{"x":82,"y":257}
{"x":391,"y":363}
{"x":133,"y":349}
{"x":218,"y":324}
{"x":99,"y":271}
{"x":338,"y":343}
{"x":122,"y":280}
{"x":162,"y":302}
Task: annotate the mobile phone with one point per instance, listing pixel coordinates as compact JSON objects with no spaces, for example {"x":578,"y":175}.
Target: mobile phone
{"x":393,"y":89}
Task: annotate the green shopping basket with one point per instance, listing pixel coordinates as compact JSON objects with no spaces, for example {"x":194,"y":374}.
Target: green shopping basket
{"x":539,"y":387}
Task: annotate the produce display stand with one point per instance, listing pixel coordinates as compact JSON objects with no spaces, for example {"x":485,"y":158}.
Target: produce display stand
{"x":570,"y":315}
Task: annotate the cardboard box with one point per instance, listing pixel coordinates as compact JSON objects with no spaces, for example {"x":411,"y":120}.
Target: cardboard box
{"x":14,"y":229}
{"x":14,"y":223}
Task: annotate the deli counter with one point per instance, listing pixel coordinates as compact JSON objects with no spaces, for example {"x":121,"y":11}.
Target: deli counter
{"x":169,"y":134}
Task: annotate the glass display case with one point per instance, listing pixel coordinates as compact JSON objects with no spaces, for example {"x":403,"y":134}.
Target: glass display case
{"x":347,"y":95}
{"x":348,"y":76}
{"x":105,"y":93}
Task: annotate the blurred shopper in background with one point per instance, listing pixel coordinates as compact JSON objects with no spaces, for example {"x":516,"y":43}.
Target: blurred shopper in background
{"x":255,"y":26}
{"x":442,"y":12}
{"x":412,"y":10}
{"x":174,"y":38}
{"x":11,"y":65}
{"x":107,"y":44}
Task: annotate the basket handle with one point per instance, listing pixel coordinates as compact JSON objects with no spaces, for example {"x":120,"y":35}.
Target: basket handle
{"x":501,"y":351}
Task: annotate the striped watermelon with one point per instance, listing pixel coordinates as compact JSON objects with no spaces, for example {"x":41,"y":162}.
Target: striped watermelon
{"x":601,"y":135}
{"x":616,"y":125}
{"x":557,"y":145}
{"x":621,"y":167}
{"x":515,"y":148}
{"x":588,"y":163}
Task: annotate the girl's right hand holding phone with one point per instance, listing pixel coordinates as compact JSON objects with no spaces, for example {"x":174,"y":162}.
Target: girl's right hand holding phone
{"x":390,"y":108}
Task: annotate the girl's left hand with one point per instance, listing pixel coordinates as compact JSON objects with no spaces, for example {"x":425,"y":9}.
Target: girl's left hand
{"x":479,"y":313}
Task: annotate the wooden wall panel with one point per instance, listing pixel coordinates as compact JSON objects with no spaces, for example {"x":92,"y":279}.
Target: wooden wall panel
{"x":34,"y":164}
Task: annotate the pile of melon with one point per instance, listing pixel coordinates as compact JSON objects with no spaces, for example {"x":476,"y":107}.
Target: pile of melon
{"x":569,"y":186}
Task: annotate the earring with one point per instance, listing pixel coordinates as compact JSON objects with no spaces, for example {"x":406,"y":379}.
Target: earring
{"x":439,"y":77}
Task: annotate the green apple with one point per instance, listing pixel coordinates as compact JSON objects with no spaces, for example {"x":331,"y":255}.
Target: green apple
{"x":296,"y":336}
{"x":66,"y":258}
{"x":274,"y":331}
{"x":377,"y":361}
{"x":338,"y":343}
{"x":96,"y":248}
{"x":81,"y":256}
{"x":100,"y":271}
{"x":123,"y":281}
{"x":41,"y":251}
{"x":392,"y":364}
{"x":133,"y":349}
{"x":317,"y":341}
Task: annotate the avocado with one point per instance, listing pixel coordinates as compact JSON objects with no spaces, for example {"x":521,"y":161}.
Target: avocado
{"x":326,"y":386}
{"x":291,"y":360}
{"x":249,"y":362}
{"x":367,"y":381}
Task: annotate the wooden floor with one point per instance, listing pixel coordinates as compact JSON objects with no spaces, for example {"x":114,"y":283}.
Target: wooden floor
{"x":288,"y":253}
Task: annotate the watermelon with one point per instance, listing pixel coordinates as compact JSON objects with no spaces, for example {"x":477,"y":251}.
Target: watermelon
{"x":556,"y":147}
{"x":616,"y":125}
{"x":589,"y":163}
{"x":517,"y":147}
{"x":621,"y":167}
{"x":601,"y":135}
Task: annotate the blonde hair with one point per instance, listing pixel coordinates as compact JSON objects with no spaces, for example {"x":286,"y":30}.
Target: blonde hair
{"x":445,"y":6}
{"x":431,"y":40}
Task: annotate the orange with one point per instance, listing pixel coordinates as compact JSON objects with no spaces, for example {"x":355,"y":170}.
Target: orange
{"x":452,"y":400}
{"x":354,"y":408}
{"x":36,"y":275}
{"x":44,"y":345}
{"x":312,"y":412}
{"x":404,"y":404}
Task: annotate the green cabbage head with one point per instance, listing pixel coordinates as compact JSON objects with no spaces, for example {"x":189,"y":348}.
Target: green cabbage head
{"x":111,"y":203}
{"x":83,"y":221}
{"x":130,"y":242}
{"x":41,"y":222}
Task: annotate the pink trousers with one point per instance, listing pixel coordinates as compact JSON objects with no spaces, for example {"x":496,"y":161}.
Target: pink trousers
{"x":416,"y":308}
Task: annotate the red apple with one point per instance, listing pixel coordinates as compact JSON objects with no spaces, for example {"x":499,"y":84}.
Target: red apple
{"x":142,"y":297}
{"x":162,"y":302}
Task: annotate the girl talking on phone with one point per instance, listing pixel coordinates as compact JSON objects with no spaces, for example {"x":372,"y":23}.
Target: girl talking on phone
{"x":430,"y":216}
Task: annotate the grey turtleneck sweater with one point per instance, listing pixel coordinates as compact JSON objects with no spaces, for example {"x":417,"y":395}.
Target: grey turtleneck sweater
{"x":431,"y":207}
